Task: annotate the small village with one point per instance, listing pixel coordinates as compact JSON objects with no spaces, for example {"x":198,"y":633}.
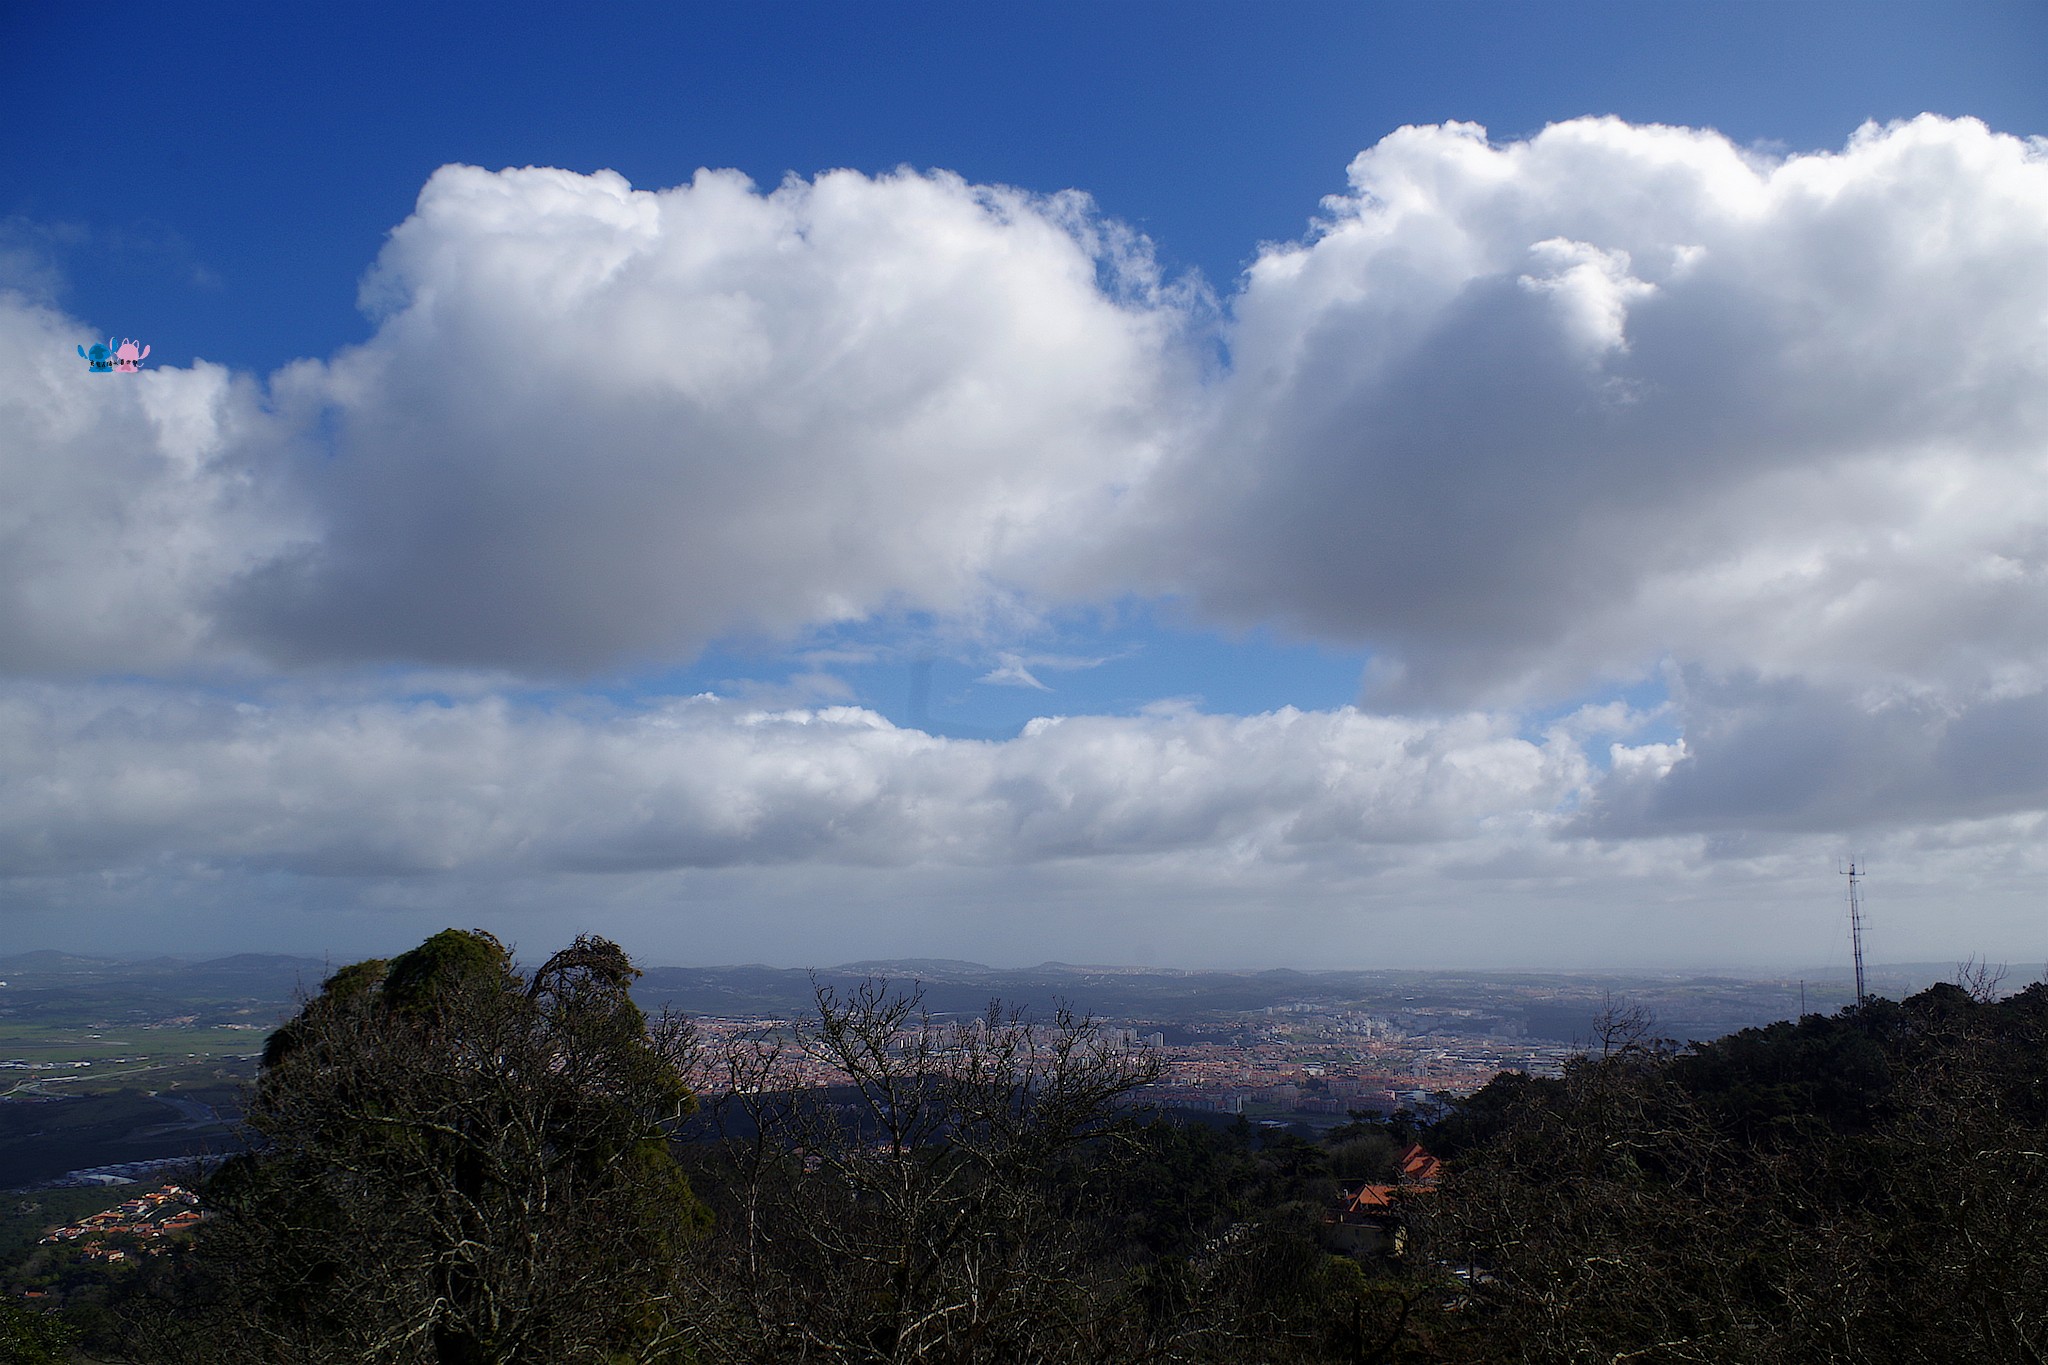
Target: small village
{"x":136,"y":1227}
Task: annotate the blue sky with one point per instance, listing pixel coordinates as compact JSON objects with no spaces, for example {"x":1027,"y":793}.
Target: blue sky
{"x":231,"y":177}
{"x":1444,"y":559}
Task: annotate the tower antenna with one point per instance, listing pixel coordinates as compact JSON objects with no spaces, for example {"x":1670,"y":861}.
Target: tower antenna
{"x":1855,"y":875}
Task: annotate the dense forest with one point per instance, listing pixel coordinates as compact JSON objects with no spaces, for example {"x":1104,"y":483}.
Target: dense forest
{"x":459,"y":1164}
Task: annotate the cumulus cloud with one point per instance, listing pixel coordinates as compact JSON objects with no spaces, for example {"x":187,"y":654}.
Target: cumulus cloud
{"x":1525,"y":419}
{"x":601,"y":424}
{"x":124,"y":778}
{"x":1529,"y":415}
{"x":1793,"y":755}
{"x":1520,"y":417}
{"x":127,"y":503}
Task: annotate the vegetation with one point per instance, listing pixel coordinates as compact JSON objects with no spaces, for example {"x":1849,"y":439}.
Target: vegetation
{"x":43,"y":1137}
{"x":923,"y":1210}
{"x":1867,"y":1187}
{"x":454,"y":1164}
{"x":31,"y":1338}
{"x":457,"y":1164}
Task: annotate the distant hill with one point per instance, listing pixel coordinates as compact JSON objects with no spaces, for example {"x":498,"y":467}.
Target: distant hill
{"x":45,"y":960}
{"x":916,"y":966}
{"x":953,"y":987}
{"x":266,"y":963}
{"x":1055,"y":968}
{"x":48,"y":961}
{"x":1560,"y":1006}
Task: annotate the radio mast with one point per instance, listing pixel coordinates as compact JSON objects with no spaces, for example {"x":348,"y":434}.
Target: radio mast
{"x":1856,"y":928}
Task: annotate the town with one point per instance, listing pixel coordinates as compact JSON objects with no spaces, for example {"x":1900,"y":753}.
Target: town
{"x":134,"y":1227}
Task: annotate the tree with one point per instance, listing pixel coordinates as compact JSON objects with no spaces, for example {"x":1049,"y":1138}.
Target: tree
{"x":1868,"y":1187}
{"x":892,"y":1188}
{"x":31,"y":1338}
{"x":458,"y":1165}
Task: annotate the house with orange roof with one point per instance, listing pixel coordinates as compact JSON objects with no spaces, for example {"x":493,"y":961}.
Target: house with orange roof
{"x":1371,"y":1220}
{"x":1418,"y":1167}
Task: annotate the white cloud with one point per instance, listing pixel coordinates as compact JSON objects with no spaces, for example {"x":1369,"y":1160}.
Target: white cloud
{"x":1526,"y":420}
{"x":1015,"y":669}
{"x":1519,"y":417}
{"x":127,"y":501}
{"x":1793,"y":755}
{"x":123,"y":778}
{"x":599,"y":424}
{"x":711,"y":830}
{"x":1010,"y":671}
{"x":1531,"y":415}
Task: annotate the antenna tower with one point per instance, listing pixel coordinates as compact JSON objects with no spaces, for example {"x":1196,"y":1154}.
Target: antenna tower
{"x":1855,"y":875}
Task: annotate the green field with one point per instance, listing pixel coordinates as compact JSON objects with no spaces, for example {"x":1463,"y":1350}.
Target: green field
{"x":22,"y":1042}
{"x":191,"y":1112}
{"x":143,"y":1095}
{"x":108,"y":1062}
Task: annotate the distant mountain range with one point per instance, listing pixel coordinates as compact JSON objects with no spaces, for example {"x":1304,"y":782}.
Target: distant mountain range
{"x":1547,"y":1005}
{"x":47,"y":963}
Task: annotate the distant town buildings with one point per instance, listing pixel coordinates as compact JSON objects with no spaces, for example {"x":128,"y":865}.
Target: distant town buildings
{"x":136,"y":1223}
{"x":1299,"y":1058}
{"x":1309,"y":1059}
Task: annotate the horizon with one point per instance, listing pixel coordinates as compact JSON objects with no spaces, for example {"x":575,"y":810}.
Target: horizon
{"x":1810,"y":972}
{"x":1350,"y":487}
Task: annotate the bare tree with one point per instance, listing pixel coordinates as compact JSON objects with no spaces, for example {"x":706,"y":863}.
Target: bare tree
{"x":892,"y":1185}
{"x":1980,"y":979}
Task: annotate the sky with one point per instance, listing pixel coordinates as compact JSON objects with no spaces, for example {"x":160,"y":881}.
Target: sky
{"x":1201,"y":485}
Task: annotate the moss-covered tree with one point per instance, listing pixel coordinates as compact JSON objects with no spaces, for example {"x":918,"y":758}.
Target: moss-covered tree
{"x":455,"y":1164}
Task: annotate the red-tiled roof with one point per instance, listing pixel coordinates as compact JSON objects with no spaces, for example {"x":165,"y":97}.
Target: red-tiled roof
{"x":1419,"y":1166}
{"x":1371,"y":1199}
